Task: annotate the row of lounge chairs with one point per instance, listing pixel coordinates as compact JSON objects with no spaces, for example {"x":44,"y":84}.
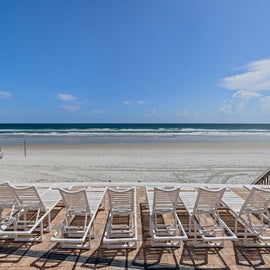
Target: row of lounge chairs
{"x":25,"y":214}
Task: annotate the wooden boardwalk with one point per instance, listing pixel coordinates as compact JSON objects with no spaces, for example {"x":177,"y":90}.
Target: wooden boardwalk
{"x":48,"y":255}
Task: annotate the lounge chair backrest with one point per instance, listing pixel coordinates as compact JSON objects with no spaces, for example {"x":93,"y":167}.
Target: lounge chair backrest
{"x":258,"y":201}
{"x":165,"y":200}
{"x":7,"y":197}
{"x":208,"y":200}
{"x":121,"y":200}
{"x":75,"y":201}
{"x":28,"y":197}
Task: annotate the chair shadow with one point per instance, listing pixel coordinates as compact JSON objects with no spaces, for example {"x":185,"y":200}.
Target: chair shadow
{"x":150,"y":257}
{"x":248,"y":256}
{"x":244,"y":256}
{"x":56,"y":255}
{"x":191,"y":256}
{"x":197,"y":256}
{"x":104,"y":257}
{"x":9,"y":247}
{"x":53,"y":258}
{"x":194,"y":256}
{"x":13,"y":252}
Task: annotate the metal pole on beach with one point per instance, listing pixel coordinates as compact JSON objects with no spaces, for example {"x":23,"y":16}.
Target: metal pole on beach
{"x":24,"y":147}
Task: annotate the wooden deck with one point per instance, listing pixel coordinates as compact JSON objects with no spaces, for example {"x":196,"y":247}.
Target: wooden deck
{"x":48,"y":255}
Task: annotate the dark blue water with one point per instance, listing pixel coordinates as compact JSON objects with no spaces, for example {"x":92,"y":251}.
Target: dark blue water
{"x":131,"y":133}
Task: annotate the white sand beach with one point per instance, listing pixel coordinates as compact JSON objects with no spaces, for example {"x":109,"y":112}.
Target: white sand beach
{"x":234,"y":163}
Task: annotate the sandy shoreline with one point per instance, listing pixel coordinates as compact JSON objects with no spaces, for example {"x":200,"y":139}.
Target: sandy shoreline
{"x":238,"y":163}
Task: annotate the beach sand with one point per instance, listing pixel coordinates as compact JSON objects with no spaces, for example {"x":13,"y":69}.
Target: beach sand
{"x":231,"y":163}
{"x":234,"y":163}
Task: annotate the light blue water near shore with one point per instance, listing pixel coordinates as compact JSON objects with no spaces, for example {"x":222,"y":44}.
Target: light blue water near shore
{"x":131,"y":133}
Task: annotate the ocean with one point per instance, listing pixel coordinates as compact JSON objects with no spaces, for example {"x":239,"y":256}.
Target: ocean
{"x":13,"y":134}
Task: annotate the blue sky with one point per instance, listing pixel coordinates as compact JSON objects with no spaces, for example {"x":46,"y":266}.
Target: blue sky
{"x":134,"y":61}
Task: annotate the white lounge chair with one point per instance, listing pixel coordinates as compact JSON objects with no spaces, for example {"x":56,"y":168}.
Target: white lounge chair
{"x":162,"y":203}
{"x":77,"y":228}
{"x":121,"y":228}
{"x":252,"y":213}
{"x":27,"y":224}
{"x":202,"y":207}
{"x":8,"y":205}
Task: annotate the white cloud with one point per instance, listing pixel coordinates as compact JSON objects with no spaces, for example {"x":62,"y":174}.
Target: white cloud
{"x":71,"y":103}
{"x":226,"y":109}
{"x":71,"y":108}
{"x":152,"y":114}
{"x":240,"y":99}
{"x":255,"y":78}
{"x":238,"y":102}
{"x":246,"y":95}
{"x":5,"y":94}
{"x":140,"y":102}
{"x":66,"y":97}
{"x":248,"y":87}
{"x":264,"y":103}
{"x":127,"y":102}
{"x":185,"y":114}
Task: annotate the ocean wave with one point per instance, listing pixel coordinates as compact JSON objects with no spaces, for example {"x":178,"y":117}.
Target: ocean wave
{"x":137,"y":133}
{"x":132,"y":133}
